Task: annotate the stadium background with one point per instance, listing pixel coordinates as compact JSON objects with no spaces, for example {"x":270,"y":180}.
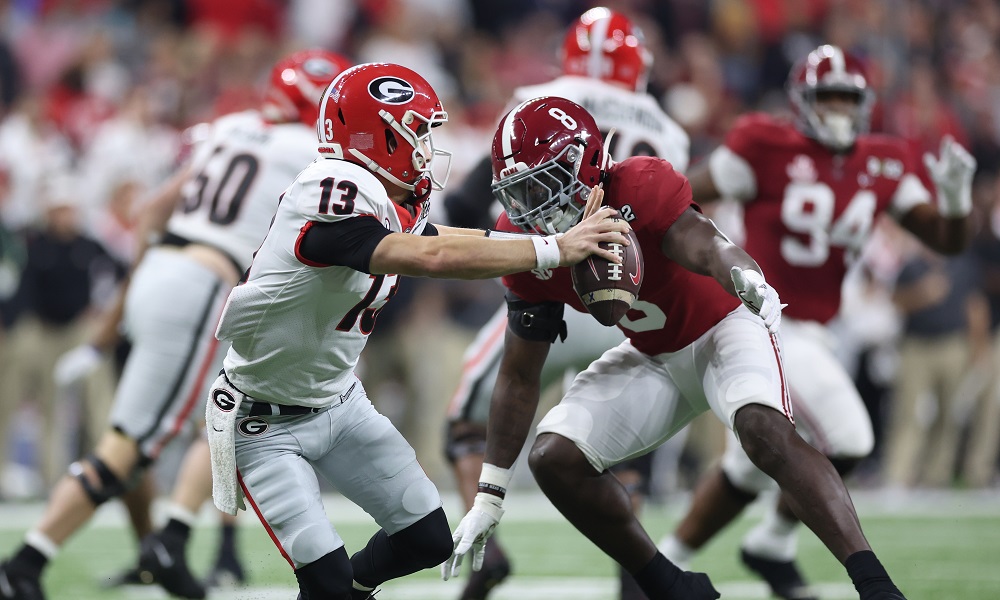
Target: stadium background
{"x":95,"y":96}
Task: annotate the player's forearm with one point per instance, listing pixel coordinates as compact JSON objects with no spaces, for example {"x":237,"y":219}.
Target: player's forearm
{"x":950,"y":235}
{"x":446,"y":230}
{"x":511,"y":414}
{"x":452,"y":256}
{"x":727,"y":257}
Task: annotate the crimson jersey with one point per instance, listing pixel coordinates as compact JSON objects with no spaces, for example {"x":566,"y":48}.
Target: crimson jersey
{"x":807,"y":210}
{"x":675,"y":306}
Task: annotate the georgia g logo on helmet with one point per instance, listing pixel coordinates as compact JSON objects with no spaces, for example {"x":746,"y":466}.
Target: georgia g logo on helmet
{"x":391,"y":90}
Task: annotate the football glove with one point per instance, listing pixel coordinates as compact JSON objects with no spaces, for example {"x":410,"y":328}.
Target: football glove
{"x":758,"y":296}
{"x":952,"y":172}
{"x":471,"y":534}
{"x":75,"y":365}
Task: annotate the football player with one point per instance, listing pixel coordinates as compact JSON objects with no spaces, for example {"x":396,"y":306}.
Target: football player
{"x":207,"y":223}
{"x":811,"y":190}
{"x":288,"y":404}
{"x":605,"y":65}
{"x":692,"y":347}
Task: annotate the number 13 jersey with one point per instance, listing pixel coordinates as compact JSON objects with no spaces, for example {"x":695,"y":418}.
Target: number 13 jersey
{"x":297,"y":328}
{"x":807,"y":210}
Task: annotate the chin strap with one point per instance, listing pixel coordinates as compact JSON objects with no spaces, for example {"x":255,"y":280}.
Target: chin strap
{"x":607,"y":145}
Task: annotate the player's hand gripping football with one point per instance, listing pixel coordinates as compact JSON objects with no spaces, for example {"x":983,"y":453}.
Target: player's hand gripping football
{"x":471,"y":534}
{"x":758,"y":296}
{"x":594,"y":227}
{"x":952,"y":172}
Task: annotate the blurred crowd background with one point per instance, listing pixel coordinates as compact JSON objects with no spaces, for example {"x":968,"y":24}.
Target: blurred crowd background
{"x":96,"y":97}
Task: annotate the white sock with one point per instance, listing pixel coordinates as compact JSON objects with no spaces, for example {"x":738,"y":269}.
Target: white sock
{"x":676,"y":551}
{"x":773,"y":538}
{"x":182,"y":514}
{"x":41,"y":542}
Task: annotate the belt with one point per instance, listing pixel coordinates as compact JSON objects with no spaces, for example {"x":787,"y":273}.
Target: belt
{"x":266,"y":409}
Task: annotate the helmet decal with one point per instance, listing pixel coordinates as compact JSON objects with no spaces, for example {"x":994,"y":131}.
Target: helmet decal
{"x":391,"y":90}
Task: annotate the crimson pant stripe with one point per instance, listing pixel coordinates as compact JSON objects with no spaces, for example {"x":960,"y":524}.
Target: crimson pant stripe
{"x":786,"y":403}
{"x":182,"y":373}
{"x":263,"y":521}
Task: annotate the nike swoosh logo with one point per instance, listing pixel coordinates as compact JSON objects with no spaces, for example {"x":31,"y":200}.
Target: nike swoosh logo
{"x":163,"y":556}
{"x":638,"y":268}
{"x":216,"y":428}
{"x":5,"y":588}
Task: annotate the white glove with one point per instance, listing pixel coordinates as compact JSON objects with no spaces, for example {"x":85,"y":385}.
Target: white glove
{"x":471,"y":534}
{"x":952,"y":173}
{"x":758,"y":296}
{"x":76,"y":364}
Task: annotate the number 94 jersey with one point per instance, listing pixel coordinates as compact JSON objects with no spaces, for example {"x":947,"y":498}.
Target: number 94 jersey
{"x":237,"y":174}
{"x":297,"y":328}
{"x":808,"y":211}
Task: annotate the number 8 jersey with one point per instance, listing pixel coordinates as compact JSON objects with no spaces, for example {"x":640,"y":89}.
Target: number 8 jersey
{"x":808,"y":210}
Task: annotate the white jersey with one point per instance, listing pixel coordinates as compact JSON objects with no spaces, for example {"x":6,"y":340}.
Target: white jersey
{"x":238,"y":174}
{"x":296,"y":329}
{"x":641,"y":126}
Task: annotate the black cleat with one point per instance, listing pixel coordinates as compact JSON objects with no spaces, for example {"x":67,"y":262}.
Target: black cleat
{"x":495,"y":569}
{"x":361,"y":595}
{"x":695,"y":586}
{"x":889,"y":596}
{"x":128,"y":577}
{"x":169,"y":568}
{"x":783,"y":577}
{"x":15,"y":585}
{"x":227,"y":572}
{"x":628,"y":587}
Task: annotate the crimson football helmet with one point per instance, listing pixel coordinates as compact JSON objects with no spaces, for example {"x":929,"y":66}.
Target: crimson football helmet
{"x":296,"y":84}
{"x":828,"y":69}
{"x":604,"y":44}
{"x":380,"y":116}
{"x":547,"y":155}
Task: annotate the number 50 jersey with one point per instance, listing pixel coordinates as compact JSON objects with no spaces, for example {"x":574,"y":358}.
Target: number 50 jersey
{"x":237,"y":175}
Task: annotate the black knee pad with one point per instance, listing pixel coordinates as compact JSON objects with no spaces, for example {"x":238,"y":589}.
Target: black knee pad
{"x":464,"y":438}
{"x":427,"y":542}
{"x":327,"y":578}
{"x":108,"y":487}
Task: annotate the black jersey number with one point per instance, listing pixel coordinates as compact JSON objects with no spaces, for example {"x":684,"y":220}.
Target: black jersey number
{"x":363,"y":308}
{"x":229,"y":191}
{"x":341,"y":206}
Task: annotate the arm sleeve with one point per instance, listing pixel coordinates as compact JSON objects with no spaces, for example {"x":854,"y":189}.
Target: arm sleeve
{"x":346,"y":243}
{"x":429,"y":230}
{"x":536,"y":322}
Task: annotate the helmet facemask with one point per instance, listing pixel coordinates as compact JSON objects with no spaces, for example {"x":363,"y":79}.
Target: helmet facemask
{"x":543,"y":199}
{"x":835,"y":129}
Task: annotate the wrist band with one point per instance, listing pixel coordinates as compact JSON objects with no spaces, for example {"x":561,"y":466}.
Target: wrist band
{"x":506,"y":235}
{"x":494,"y":480}
{"x":547,"y":254}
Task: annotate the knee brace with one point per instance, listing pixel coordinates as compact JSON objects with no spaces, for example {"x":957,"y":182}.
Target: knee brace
{"x":327,"y":578}
{"x":464,"y":438}
{"x":108,"y":486}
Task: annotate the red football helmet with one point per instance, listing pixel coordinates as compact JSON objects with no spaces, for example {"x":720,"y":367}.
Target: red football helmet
{"x":547,"y":155}
{"x":604,"y":44}
{"x":830,"y":70}
{"x":380,"y":116}
{"x":296,"y":84}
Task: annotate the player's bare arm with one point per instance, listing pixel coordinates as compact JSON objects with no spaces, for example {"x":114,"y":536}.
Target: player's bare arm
{"x":515,"y":398}
{"x":696,"y":244}
{"x":947,"y":235}
{"x":472,"y":257}
{"x":703,"y":190}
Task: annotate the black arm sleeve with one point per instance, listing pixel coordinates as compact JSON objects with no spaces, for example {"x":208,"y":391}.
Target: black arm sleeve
{"x":469,"y":205}
{"x":429,"y":229}
{"x":541,"y":322}
{"x":347,"y":243}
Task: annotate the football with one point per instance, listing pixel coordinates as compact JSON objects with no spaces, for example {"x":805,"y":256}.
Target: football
{"x":605,"y":288}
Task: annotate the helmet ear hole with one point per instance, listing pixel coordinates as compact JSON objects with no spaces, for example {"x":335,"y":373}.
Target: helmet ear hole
{"x":340,"y":115}
{"x":390,"y":141}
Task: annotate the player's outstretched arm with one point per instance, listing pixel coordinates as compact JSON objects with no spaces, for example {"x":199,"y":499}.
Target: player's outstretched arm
{"x":475,"y":257}
{"x":696,"y":244}
{"x":515,"y":399}
{"x":946,"y":227}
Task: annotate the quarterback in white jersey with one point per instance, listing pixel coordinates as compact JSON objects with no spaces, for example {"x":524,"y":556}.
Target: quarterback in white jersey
{"x":605,"y":65}
{"x":288,"y":404}
{"x":224,"y":202}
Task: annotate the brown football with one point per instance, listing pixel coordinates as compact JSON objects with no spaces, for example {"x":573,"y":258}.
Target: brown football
{"x":608,"y":289}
